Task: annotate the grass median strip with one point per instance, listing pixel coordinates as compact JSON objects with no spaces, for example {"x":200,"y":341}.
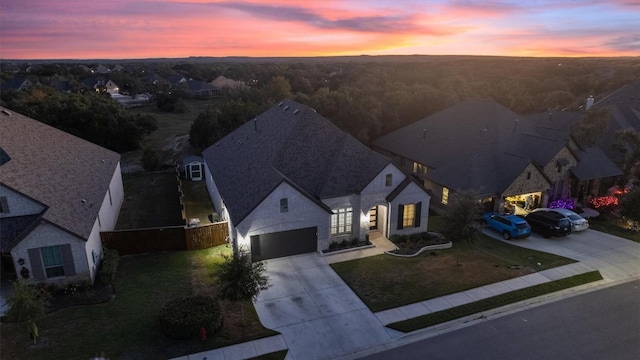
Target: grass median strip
{"x":494,"y":302}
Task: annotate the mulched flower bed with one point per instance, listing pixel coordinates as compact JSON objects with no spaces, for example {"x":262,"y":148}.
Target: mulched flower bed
{"x":411,"y":244}
{"x":94,"y":295}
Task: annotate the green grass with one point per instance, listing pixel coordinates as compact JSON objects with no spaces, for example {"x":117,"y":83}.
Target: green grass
{"x":614,"y":227}
{"x":151,"y":200}
{"x":439,"y":317}
{"x":127,"y":326}
{"x":385,"y":282}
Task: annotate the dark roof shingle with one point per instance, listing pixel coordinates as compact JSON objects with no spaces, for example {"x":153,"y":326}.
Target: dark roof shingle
{"x":57,"y":169}
{"x":289,"y":142}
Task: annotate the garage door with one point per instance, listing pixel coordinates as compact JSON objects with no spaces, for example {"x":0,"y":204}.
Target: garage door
{"x":284,"y":243}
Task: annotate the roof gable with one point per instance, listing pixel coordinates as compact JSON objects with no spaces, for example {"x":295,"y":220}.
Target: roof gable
{"x":289,"y":141}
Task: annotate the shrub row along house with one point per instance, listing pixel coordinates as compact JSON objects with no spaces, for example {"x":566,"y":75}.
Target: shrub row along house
{"x":483,"y":149}
{"x":290,"y":182}
{"x":57,"y":192}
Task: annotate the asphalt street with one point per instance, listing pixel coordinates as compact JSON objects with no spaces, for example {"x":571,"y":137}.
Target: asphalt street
{"x":602,"y":324}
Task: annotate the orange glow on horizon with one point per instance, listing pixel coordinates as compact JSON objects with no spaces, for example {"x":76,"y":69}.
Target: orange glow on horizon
{"x":128,"y":29}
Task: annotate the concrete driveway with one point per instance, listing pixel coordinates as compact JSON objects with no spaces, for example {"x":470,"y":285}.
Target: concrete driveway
{"x":615,"y":257}
{"x":318,"y":315}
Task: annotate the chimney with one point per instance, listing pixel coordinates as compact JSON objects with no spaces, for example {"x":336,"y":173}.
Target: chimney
{"x":589,"y":103}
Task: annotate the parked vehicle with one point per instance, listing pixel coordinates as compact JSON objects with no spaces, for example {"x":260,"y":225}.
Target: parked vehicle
{"x":548,"y":223}
{"x":578,"y":223}
{"x":510,"y":226}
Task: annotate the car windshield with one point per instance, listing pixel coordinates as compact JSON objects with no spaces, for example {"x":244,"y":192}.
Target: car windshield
{"x":575,"y":217}
{"x":564,"y":222}
{"x":522,"y":226}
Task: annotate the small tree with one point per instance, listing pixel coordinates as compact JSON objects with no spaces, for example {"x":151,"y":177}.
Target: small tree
{"x":149,"y":158}
{"x":590,"y":128}
{"x":630,"y":205}
{"x":459,"y":217}
{"x":240,"y":279}
{"x":26,"y":303}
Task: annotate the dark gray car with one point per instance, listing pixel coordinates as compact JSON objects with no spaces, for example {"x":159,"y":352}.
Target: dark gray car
{"x":548,"y":223}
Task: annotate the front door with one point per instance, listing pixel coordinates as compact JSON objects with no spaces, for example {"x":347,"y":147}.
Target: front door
{"x":373,"y":218}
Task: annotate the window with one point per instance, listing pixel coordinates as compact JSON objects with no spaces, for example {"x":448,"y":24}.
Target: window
{"x":528,"y":175}
{"x":4,"y":205}
{"x":110,"y":199}
{"x":52,"y":261}
{"x":445,"y":195}
{"x":389,"y":180}
{"x":284,"y":205}
{"x":342,"y":221}
{"x":409,"y":215}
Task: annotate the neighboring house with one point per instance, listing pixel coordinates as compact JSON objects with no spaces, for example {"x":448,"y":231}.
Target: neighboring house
{"x":176,"y":79}
{"x":483,"y":149}
{"x":200,"y":89}
{"x":291,"y":182}
{"x":101,"y":69}
{"x":98,"y":83}
{"x":193,"y":167}
{"x":58,"y":192}
{"x":17,"y":83}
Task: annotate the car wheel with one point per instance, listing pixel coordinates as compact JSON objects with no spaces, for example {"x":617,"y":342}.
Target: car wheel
{"x":506,"y":235}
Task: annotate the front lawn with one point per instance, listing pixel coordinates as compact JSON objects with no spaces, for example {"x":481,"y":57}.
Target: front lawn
{"x":385,"y":281}
{"x":127,"y":326}
{"x":614,"y":227}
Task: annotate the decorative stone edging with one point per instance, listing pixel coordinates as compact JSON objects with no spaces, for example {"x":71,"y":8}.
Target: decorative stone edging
{"x":426,"y":248}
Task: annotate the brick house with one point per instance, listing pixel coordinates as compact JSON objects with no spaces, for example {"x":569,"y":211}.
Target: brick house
{"x":57,"y":192}
{"x":481,"y":148}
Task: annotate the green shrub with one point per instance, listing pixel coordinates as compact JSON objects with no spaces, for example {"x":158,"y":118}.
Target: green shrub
{"x":354,"y":242}
{"x":182,"y":318}
{"x":108,"y":267}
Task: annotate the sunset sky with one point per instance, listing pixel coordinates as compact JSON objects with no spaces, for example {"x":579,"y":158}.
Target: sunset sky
{"x":125,"y":29}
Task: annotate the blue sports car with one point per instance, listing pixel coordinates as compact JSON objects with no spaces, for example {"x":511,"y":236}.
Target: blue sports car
{"x":510,"y":226}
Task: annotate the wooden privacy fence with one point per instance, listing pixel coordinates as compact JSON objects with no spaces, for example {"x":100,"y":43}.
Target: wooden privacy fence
{"x":174,"y":238}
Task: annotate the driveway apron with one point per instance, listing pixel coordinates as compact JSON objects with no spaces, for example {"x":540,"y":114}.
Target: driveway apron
{"x":318,"y":315}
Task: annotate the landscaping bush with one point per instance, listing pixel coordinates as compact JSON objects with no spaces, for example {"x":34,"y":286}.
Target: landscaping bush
{"x":108,"y":267}
{"x":182,"y":318}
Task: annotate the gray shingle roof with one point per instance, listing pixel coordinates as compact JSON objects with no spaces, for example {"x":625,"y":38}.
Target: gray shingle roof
{"x":289,"y":142}
{"x":56,"y":169}
{"x":469,"y":127}
{"x":13,"y":229}
{"x":594,"y":164}
{"x":477,"y":145}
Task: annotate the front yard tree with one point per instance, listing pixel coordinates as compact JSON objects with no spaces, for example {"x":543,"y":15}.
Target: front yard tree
{"x":240,"y":279}
{"x":630,"y":205}
{"x":459,"y":217}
